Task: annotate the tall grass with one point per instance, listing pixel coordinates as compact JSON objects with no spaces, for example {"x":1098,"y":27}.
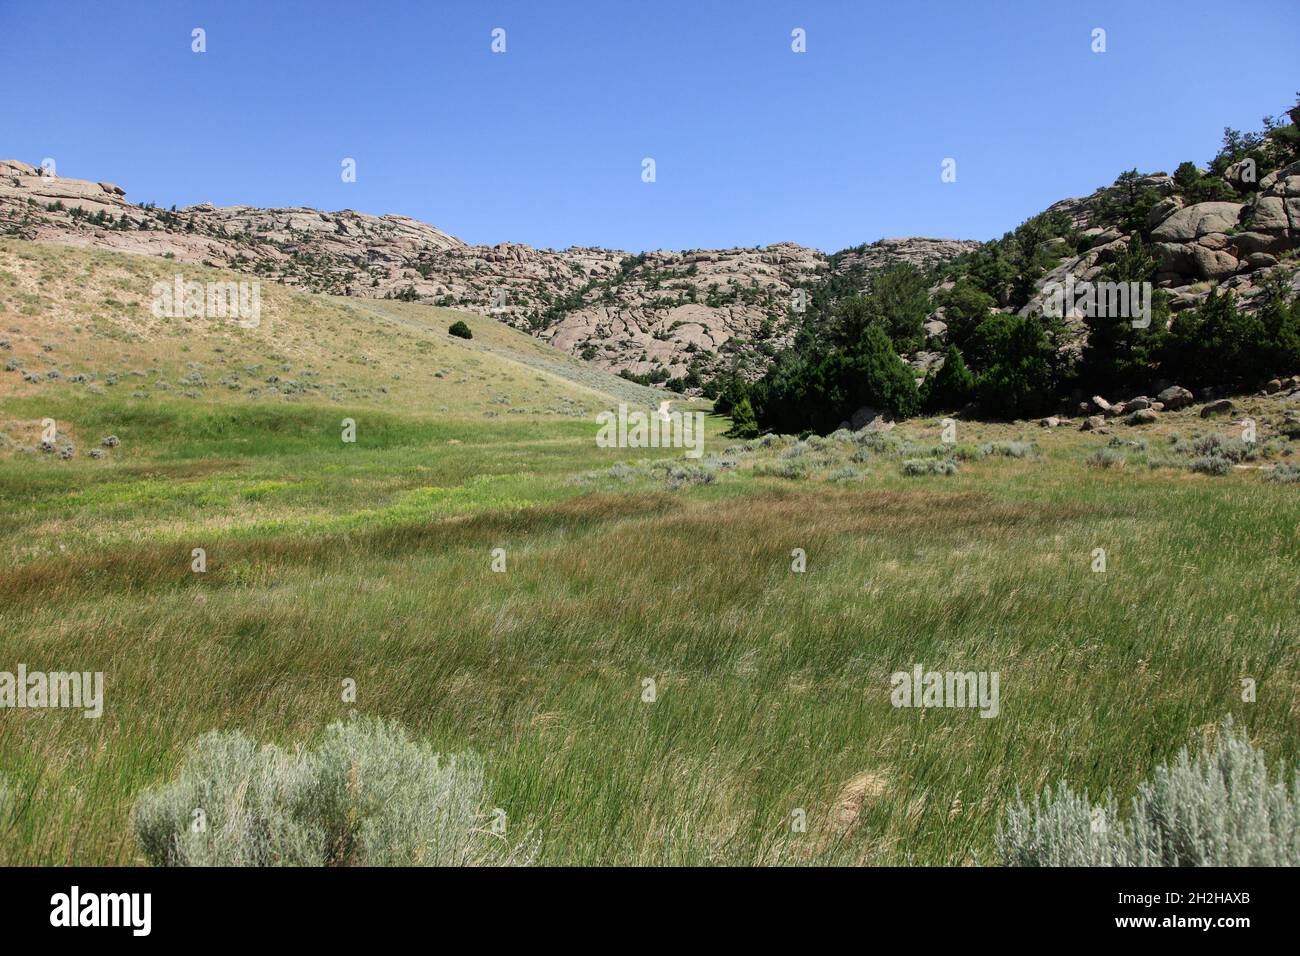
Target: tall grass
{"x":772,"y":686}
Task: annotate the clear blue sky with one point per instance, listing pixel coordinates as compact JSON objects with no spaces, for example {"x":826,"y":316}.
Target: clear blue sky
{"x":543,"y":144}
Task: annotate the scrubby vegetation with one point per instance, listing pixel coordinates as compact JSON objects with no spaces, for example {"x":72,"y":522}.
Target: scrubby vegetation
{"x":1220,"y":807}
{"x":844,"y":355}
{"x":367,"y":795}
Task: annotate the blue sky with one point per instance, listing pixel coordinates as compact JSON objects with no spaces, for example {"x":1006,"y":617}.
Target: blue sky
{"x":543,"y":144}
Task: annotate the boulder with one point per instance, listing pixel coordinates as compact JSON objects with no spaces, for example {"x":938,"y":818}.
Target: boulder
{"x":1175,"y":397}
{"x":867,"y":417}
{"x":1092,"y":423}
{"x":1136,"y":404}
{"x":1252,"y":242}
{"x":1163,"y":210}
{"x":1198,"y":220}
{"x":1175,"y":259}
{"x":1101,"y":403}
{"x":1261,"y":260}
{"x":1269,"y":215}
{"x":1111,"y":250}
{"x":1236,"y":175}
{"x":1223,"y":406}
{"x":1162,"y":183}
{"x":935,"y":329}
{"x":1213,"y":263}
{"x":1143,"y":416}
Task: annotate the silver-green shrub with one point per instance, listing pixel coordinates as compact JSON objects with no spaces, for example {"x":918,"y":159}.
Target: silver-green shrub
{"x":1211,"y":465}
{"x":1218,"y":808}
{"x":929,"y":466}
{"x":1287,"y":473}
{"x":367,"y":795}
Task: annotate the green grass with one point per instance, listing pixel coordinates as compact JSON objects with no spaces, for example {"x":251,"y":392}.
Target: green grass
{"x":372,"y":561}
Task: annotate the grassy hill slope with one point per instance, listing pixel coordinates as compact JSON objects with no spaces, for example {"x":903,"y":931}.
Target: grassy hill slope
{"x":83,"y":312}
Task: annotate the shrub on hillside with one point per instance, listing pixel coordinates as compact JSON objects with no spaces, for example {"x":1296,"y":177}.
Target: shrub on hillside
{"x":743,"y":422}
{"x":1219,"y":808}
{"x":1219,"y":344}
{"x":368,"y":795}
{"x":914,"y":467}
{"x":899,"y":302}
{"x":1105,"y":458}
{"x":819,"y":390}
{"x":965,"y":308}
{"x":1017,"y":381}
{"x":460,"y":330}
{"x":1212,"y":465}
{"x":952,"y":387}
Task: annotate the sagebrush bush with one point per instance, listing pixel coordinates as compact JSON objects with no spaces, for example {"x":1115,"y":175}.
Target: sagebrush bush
{"x":929,"y":466}
{"x":847,"y":473}
{"x":1008,"y":449}
{"x":1105,"y":458}
{"x":1233,"y":449}
{"x":793,"y":470}
{"x":1211,"y":465}
{"x":1287,"y":473}
{"x":367,"y":795}
{"x":1219,"y":808}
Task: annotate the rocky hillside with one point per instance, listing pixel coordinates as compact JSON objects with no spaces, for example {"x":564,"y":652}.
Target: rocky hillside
{"x":655,"y":315}
{"x":1196,"y":245}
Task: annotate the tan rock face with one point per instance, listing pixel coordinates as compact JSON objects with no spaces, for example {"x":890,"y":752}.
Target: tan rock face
{"x":1213,"y":263}
{"x":657,"y":312}
{"x":1198,"y":220}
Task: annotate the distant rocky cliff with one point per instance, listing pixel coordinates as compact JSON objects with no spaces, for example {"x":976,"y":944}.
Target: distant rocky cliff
{"x":654,"y":314}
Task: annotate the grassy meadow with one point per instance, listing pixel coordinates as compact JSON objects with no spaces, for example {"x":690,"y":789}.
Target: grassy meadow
{"x":373,"y":561}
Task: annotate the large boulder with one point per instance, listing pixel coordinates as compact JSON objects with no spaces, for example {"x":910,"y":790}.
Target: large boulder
{"x":935,"y":329}
{"x":1270,"y":215}
{"x":1175,"y":397}
{"x":1197,"y":220}
{"x":1214,"y":263}
{"x":1175,"y":258}
{"x":1252,"y":242}
{"x":867,"y":417}
{"x":1163,"y":210}
{"x":1273,"y":222}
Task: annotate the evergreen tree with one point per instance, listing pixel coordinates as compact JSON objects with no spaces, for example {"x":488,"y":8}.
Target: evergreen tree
{"x":952,"y":387}
{"x":743,"y":422}
{"x":1018,"y":379}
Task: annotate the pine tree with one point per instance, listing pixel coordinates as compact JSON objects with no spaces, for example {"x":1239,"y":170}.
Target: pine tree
{"x":952,"y":387}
